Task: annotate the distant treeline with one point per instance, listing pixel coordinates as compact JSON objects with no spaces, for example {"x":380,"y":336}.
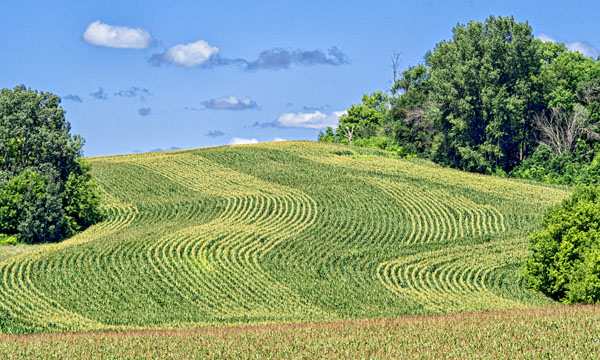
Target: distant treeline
{"x":493,"y":100}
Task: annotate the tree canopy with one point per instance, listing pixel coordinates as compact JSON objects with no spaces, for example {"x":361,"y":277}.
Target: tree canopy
{"x":492,"y":99}
{"x":46,"y":191}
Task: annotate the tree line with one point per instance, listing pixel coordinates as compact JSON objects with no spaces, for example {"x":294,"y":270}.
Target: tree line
{"x":493,"y":99}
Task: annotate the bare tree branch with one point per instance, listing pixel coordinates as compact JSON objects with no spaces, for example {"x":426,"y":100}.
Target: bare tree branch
{"x":561,"y":129}
{"x":589,"y":92}
{"x":396,"y":58}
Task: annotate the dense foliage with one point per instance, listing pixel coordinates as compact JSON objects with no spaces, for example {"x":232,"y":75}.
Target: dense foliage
{"x":46,"y":191}
{"x":493,"y":99}
{"x":565,"y":262}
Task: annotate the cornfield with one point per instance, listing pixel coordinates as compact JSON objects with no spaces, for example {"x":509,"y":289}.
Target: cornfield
{"x":278,"y":232}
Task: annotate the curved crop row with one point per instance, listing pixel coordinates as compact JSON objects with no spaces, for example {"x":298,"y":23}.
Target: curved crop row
{"x":239,"y":235}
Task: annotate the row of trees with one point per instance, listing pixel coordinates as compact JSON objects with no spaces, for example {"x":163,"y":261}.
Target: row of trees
{"x":46,"y":190}
{"x":493,"y":99}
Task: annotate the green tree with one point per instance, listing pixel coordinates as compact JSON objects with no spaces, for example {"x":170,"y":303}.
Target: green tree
{"x":364,"y":120}
{"x":565,"y":254}
{"x":81,"y":200}
{"x":483,"y":81}
{"x":409,"y":122}
{"x":16,"y":195}
{"x":492,"y":99}
{"x":46,"y":191}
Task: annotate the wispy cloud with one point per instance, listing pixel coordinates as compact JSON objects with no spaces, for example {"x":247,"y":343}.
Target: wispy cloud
{"x":232,"y":103}
{"x":215,"y":133}
{"x":169,"y":149}
{"x":188,"y":55}
{"x":545,"y":38}
{"x":100,"y":94}
{"x":134,"y":92}
{"x":315,"y":108}
{"x":264,"y":125}
{"x":202,"y":54}
{"x":583,"y":47}
{"x":123,"y":37}
{"x":71,"y":97}
{"x":279,"y":139}
{"x":314,"y":120}
{"x":279,"y":58}
{"x":240,"y":141}
{"x":145,"y":111}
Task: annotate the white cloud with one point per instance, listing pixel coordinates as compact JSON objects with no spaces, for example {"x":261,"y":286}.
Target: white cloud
{"x":583,"y":47}
{"x":545,"y":38}
{"x":240,"y":141}
{"x":279,"y":139}
{"x":233,"y":103}
{"x":123,"y":37}
{"x":314,"y":120}
{"x":188,"y":55}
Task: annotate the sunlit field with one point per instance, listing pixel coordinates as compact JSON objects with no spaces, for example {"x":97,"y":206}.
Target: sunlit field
{"x":280,"y":232}
{"x":555,"y":332}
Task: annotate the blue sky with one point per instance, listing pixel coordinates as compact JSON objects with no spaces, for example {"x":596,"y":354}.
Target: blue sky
{"x":143,"y":75}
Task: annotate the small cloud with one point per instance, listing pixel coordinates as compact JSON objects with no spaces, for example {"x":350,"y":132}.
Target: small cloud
{"x":545,"y":38}
{"x":315,"y":108}
{"x":583,"y":47}
{"x":188,"y":55}
{"x":232,"y":103}
{"x":214,"y":133}
{"x":169,"y":149}
{"x":145,"y":111}
{"x":263,"y":125}
{"x":278,"y":58}
{"x":134,"y":92}
{"x":100,"y":94}
{"x":314,"y":120}
{"x":240,"y":141}
{"x":190,"y":108}
{"x":122,"y":37}
{"x":71,"y":97}
{"x":279,"y":139}
{"x":289,"y":104}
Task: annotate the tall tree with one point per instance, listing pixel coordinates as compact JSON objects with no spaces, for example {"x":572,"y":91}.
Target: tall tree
{"x":483,"y":80}
{"x":44,"y":183}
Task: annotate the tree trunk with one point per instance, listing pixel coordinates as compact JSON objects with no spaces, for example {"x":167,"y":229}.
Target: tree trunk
{"x":350,"y":134}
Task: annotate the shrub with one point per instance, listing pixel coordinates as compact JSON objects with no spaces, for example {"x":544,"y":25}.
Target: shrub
{"x":565,"y":259}
{"x":6,"y":239}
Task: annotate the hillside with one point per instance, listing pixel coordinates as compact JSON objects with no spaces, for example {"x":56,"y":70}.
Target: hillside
{"x":278,"y":232}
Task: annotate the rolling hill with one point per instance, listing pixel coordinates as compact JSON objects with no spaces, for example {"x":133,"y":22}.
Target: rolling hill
{"x":278,"y":232}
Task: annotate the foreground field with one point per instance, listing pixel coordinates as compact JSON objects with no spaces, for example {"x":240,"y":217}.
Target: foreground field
{"x":556,"y":332}
{"x":279,"y":232}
